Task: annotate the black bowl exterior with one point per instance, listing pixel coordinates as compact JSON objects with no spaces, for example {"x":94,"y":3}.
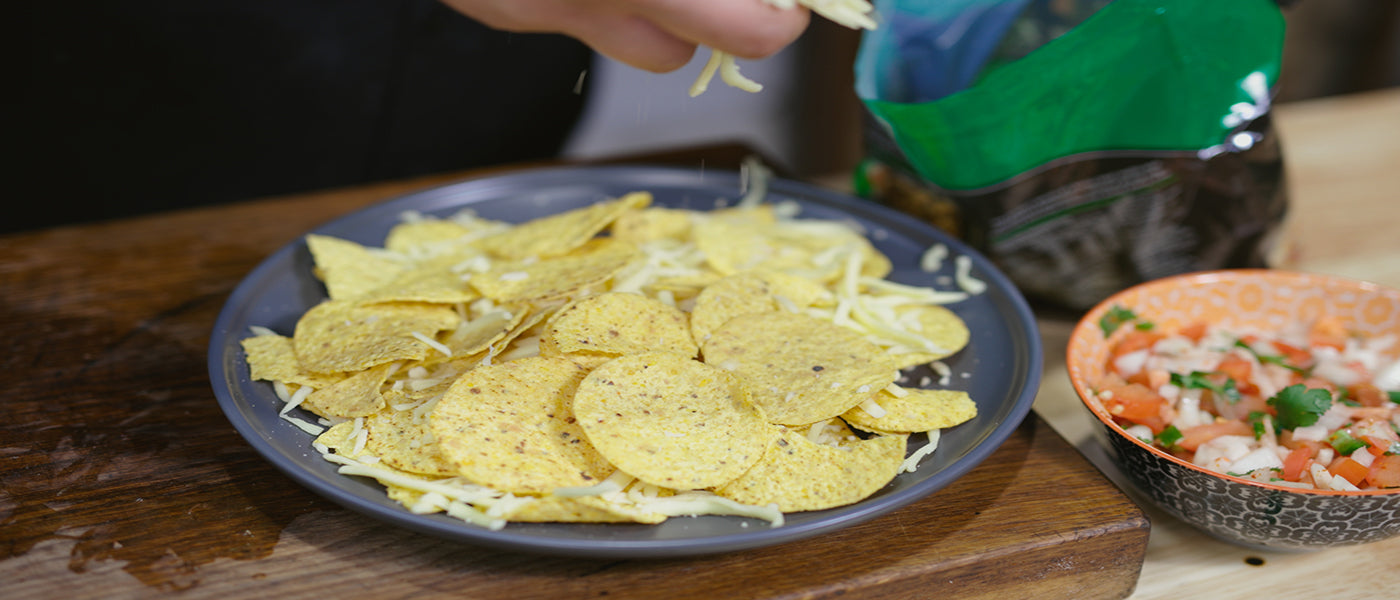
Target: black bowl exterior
{"x":1252,"y":515}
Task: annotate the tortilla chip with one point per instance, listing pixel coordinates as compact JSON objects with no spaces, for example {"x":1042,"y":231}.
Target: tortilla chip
{"x":652,"y":224}
{"x":919,"y":410}
{"x":351,"y":270}
{"x":620,"y":323}
{"x":799,"y":475}
{"x":800,"y":369}
{"x":671,"y":421}
{"x":356,"y":396}
{"x":338,"y":336}
{"x":739,"y":294}
{"x":510,"y":426}
{"x":434,"y":282}
{"x":273,"y":358}
{"x":404,"y":441}
{"x":561,"y":233}
{"x":815,"y":250}
{"x":592,"y":264}
{"x":432,"y":237}
{"x":944,"y":331}
{"x":339,"y":439}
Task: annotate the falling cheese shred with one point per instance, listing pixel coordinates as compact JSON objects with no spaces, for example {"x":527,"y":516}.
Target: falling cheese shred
{"x":854,"y":14}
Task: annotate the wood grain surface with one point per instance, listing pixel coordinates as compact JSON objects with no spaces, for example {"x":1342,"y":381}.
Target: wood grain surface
{"x":120,"y":477}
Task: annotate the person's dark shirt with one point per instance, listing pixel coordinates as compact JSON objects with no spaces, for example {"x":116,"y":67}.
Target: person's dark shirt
{"x":137,"y":106}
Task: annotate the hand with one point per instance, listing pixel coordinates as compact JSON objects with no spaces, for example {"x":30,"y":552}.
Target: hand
{"x":655,"y":35}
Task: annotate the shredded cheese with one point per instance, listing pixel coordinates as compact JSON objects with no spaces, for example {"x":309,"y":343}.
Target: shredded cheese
{"x":854,"y":14}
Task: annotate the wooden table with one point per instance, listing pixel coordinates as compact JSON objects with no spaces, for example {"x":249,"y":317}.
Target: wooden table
{"x":120,"y":478}
{"x":1343,"y":161}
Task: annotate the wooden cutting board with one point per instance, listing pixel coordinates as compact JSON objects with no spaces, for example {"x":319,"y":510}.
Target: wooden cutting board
{"x":120,"y":477}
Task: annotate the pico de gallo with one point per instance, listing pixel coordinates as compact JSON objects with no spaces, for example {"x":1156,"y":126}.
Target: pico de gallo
{"x":1314,"y":406}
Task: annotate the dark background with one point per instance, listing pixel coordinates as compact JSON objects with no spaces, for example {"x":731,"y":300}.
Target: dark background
{"x":129,"y":107}
{"x":132,"y":106}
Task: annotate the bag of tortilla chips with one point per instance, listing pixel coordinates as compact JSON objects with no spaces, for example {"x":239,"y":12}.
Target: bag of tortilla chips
{"x":1083,"y":145}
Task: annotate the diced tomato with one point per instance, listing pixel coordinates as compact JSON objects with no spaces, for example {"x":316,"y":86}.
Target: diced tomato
{"x":1136,"y":403}
{"x":1329,"y":332}
{"x":1135,"y":340}
{"x":1348,"y":469}
{"x":1193,"y":437}
{"x":1195,"y":331}
{"x":1376,"y":446}
{"x":1239,"y":369}
{"x":1367,"y":394}
{"x":1296,"y":463}
{"x":1154,"y":379}
{"x":1376,"y":432}
{"x":1375,"y":414}
{"x":1294,"y":355}
{"x":1384,"y":472}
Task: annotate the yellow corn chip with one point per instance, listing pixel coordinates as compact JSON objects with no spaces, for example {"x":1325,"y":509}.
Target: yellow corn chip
{"x":559,"y":234}
{"x":351,"y":270}
{"x":339,"y":438}
{"x":476,"y":335}
{"x":356,"y":396}
{"x":437,"y":237}
{"x":339,"y":336}
{"x":751,"y":292}
{"x":671,"y":421}
{"x":735,"y":295}
{"x":797,"y":474}
{"x":919,"y":410}
{"x":809,"y":249}
{"x":592,"y":264}
{"x":585,"y":359}
{"x":510,"y":426}
{"x":799,"y":369}
{"x":404,"y":440}
{"x":620,"y":323}
{"x":652,"y":224}
{"x":433,"y":283}
{"x":273,"y":358}
{"x":944,"y":331}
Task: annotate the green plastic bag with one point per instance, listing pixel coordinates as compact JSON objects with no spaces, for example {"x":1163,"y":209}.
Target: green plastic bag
{"x":1084,"y":146}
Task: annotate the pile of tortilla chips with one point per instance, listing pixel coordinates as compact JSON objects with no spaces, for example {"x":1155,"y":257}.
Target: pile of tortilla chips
{"x":616,"y":363}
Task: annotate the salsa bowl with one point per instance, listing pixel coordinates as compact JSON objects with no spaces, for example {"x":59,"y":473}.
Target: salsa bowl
{"x":1259,"y":514}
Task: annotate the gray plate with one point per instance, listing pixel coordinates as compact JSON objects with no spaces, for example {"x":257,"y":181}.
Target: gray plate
{"x":1003,"y":358}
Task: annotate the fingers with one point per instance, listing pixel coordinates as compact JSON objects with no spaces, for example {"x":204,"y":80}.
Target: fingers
{"x":744,"y":28}
{"x":633,"y":40}
{"x":655,"y":35}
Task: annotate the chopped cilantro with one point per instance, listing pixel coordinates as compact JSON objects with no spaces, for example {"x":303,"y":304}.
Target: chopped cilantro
{"x":1198,"y":379}
{"x":1256,"y":420}
{"x":1344,"y":443}
{"x":1350,"y":402}
{"x":1299,"y":406}
{"x":1144,"y":325}
{"x":1116,"y":317}
{"x":1169,"y":436}
{"x":1269,"y":358}
{"x":1394,"y":396}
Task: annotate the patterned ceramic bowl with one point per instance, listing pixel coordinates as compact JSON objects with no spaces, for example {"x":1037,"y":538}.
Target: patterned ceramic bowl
{"x":1245,"y":512}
